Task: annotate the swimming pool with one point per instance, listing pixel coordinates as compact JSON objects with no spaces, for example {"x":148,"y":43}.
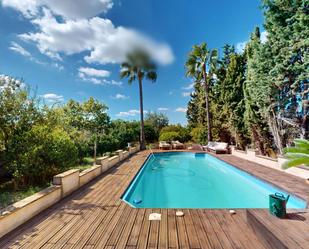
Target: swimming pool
{"x":190,"y":180}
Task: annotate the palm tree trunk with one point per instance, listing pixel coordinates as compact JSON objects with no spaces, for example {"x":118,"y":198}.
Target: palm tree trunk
{"x":209,"y":133}
{"x":142,"y":136}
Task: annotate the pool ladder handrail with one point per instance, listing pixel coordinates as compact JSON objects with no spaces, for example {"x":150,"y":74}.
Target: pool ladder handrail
{"x":152,"y":153}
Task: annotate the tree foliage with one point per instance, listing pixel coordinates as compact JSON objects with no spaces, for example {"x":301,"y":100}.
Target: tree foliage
{"x":259,"y":97}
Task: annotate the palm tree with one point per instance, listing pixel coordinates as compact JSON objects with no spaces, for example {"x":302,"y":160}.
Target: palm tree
{"x":138,"y":66}
{"x":298,"y":155}
{"x":201,"y":64}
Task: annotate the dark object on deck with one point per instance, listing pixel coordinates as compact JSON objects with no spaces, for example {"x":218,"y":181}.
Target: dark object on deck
{"x":277,"y":204}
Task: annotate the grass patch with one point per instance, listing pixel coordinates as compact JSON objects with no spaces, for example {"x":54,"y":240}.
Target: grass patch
{"x":85,"y":164}
{"x":8,"y":197}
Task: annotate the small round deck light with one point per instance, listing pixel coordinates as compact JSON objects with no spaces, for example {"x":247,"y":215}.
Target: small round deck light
{"x":232,"y":211}
{"x":179,"y":213}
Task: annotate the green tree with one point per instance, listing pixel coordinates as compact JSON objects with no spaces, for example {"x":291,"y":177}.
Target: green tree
{"x":137,"y":67}
{"x":232,"y":98}
{"x":40,"y":153}
{"x":88,"y":117}
{"x":95,"y":120}
{"x":286,"y":52}
{"x":169,"y":136}
{"x":260,"y":95}
{"x":157,"y":121}
{"x":200,"y":65}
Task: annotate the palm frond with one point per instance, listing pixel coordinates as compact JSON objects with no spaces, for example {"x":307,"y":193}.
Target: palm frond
{"x":296,"y":162}
{"x":296,"y":150}
{"x":124,"y":74}
{"x":152,"y":75}
{"x":138,"y":64}
{"x":132,"y":78}
{"x":298,"y":155}
{"x":302,"y":142}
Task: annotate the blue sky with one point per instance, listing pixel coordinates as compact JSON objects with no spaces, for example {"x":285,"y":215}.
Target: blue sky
{"x":72,"y":49}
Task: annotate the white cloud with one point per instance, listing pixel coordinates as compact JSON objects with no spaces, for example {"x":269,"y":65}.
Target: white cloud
{"x":92,"y":72}
{"x":113,"y":82}
{"x":98,"y":80}
{"x":186,"y":94}
{"x":98,"y":37}
{"x":163,"y":109}
{"x":181,"y":109}
{"x":130,"y":113}
{"x":19,"y":49}
{"x":69,"y":9}
{"x":240,"y":46}
{"x":120,"y":96}
{"x":94,"y":75}
{"x":28,"y":8}
{"x":189,"y":87}
{"x":52,"y":97}
{"x":58,"y":66}
{"x":22,"y":51}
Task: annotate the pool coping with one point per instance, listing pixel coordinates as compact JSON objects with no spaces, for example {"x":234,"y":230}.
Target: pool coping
{"x":302,"y":197}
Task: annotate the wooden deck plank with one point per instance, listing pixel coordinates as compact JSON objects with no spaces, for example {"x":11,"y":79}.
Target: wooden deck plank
{"x":133,"y":237}
{"x":119,"y":226}
{"x":222,"y":238}
{"x":241,"y":220}
{"x":202,"y":236}
{"x":232,"y":231}
{"x":154,"y":232}
{"x":181,"y":231}
{"x":191,"y":231}
{"x":211,"y":234}
{"x":172,"y":229}
{"x":122,"y":242}
{"x":144,"y":232}
{"x":67,"y":233}
{"x":163,"y":232}
{"x":72,"y":229}
{"x":288,"y":231}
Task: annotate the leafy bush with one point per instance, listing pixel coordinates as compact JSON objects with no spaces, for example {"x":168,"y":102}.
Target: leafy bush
{"x":199,"y":135}
{"x":183,"y":133}
{"x":156,"y":121}
{"x":40,"y":153}
{"x":169,"y":136}
{"x":150,"y":133}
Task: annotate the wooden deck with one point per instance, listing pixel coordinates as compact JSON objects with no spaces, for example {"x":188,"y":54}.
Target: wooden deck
{"x":95,"y":217}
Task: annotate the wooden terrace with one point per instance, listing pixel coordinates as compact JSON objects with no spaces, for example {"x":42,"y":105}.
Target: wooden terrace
{"x":94,"y":216}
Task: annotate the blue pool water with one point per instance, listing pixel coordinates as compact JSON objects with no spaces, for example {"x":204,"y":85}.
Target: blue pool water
{"x":189,"y":180}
